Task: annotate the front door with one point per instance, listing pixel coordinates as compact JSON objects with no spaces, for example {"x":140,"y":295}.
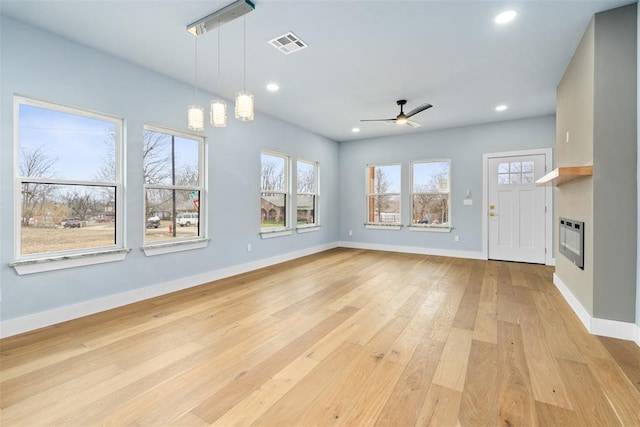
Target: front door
{"x":516,"y":211}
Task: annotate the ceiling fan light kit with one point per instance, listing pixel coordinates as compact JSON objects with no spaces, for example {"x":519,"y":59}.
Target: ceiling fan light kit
{"x":402,"y":118}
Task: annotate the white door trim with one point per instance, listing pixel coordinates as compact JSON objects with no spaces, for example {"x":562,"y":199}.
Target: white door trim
{"x":548,"y":197}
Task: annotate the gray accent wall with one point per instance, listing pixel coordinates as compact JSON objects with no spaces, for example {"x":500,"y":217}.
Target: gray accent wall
{"x":465,"y":147}
{"x":614,"y":154}
{"x":44,"y":66}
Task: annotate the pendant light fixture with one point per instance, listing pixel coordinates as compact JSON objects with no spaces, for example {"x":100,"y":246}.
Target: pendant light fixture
{"x":218,"y":106}
{"x":244,"y":100}
{"x":195,"y":113}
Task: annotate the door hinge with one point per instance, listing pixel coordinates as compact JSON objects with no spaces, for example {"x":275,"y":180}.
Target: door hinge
{"x":545,"y":209}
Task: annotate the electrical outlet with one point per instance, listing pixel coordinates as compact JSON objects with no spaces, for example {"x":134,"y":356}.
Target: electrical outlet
{"x":248,"y":247}
{"x":350,"y":232}
{"x":457,"y":238}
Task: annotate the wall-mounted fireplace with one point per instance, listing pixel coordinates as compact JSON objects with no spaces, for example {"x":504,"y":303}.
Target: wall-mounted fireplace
{"x":572,"y":241}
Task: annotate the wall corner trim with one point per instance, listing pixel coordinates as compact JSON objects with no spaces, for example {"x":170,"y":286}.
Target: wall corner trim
{"x":594,"y":325}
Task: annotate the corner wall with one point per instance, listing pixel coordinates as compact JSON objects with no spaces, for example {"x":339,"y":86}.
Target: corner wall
{"x":574,"y":199}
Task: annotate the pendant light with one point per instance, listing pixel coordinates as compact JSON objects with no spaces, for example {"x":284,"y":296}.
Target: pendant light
{"x":195,"y":113}
{"x":218,"y":106}
{"x":244,"y":100}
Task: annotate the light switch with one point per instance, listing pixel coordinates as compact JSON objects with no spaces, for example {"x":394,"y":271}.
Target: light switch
{"x":468,"y":202}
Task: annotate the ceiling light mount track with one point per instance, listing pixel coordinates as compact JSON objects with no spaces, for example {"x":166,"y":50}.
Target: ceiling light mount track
{"x":222,"y":16}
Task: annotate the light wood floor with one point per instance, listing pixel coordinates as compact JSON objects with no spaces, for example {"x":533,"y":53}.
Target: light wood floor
{"x":346,"y":337}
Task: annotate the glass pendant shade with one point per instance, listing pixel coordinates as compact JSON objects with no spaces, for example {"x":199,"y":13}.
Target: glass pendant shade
{"x":244,"y":106}
{"x":218,"y":113}
{"x":195,"y":118}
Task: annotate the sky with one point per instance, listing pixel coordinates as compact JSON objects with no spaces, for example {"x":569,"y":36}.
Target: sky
{"x":79,"y":145}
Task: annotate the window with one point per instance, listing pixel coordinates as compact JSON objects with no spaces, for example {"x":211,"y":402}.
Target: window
{"x":516,"y":173}
{"x":274,"y":186}
{"x":173,"y":179}
{"x":431,"y":194}
{"x":307,"y":193}
{"x":383,"y":195}
{"x":68,"y":177}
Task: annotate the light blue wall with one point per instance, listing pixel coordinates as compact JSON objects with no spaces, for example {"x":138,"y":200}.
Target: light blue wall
{"x":40,"y":65}
{"x":464,"y":146}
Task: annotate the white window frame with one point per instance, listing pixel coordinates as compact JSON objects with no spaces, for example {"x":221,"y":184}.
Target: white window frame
{"x":269,"y":232}
{"x":186,"y":243}
{"x":368,"y":193}
{"x":48,"y":261}
{"x":442,"y":228}
{"x":315,"y":225}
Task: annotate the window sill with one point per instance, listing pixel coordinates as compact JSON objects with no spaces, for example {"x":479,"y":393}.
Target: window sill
{"x":374,"y":226}
{"x":307,"y":228}
{"x":430,"y":229}
{"x":40,"y":265}
{"x":275,"y":233}
{"x":171,"y":247}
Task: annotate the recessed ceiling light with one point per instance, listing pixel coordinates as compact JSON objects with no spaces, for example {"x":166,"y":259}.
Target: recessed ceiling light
{"x":505,"y":17}
{"x":273,"y":87}
{"x":355,"y":130}
{"x":501,"y":107}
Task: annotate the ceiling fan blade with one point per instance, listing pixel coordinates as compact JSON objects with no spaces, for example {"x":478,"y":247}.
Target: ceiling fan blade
{"x":413,"y":124}
{"x":418,"y":110}
{"x":377,"y":120}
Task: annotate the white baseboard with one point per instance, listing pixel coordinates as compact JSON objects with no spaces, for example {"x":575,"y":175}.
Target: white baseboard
{"x":594,"y":325}
{"x":413,"y":250}
{"x":34,"y":321}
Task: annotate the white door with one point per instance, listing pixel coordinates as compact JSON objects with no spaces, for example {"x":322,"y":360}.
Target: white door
{"x":516,"y":211}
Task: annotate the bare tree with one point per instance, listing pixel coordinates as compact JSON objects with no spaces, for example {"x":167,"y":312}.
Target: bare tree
{"x":81,"y":204}
{"x":380,"y":186}
{"x":156,"y":156}
{"x":272,"y":176}
{"x":35,"y":163}
{"x":306,"y":181}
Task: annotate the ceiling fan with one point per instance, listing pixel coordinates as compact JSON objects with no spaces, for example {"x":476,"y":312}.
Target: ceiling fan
{"x":402,"y":118}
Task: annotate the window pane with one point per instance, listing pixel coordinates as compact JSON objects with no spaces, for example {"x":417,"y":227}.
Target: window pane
{"x":170,"y":160}
{"x":306,"y":177}
{"x":58,"y":217}
{"x":527,"y":166}
{"x":528,"y":178}
{"x":385,"y":209}
{"x":503,"y":168}
{"x":306,"y":209}
{"x":503,"y":178}
{"x":272,"y":172}
{"x":172,"y":214}
{"x":273,"y":209}
{"x":515,"y":167}
{"x":431,"y":209}
{"x":384,"y":179}
{"x":59,"y":145}
{"x":515,"y":178}
{"x":431,"y":177}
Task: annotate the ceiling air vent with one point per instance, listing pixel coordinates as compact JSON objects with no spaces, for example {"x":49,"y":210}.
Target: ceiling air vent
{"x":288,"y":43}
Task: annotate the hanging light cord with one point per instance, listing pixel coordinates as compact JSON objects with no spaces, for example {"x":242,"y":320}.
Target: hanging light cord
{"x":218,"y":88}
{"x":195,"y":71}
{"x":244,"y":54}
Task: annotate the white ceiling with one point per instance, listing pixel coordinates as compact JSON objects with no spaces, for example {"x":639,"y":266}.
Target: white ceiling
{"x":362,"y":55}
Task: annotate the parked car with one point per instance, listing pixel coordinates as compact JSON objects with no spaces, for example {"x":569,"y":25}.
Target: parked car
{"x":72,"y":223}
{"x":424,"y":221}
{"x":153,"y":222}
{"x":186,"y":219}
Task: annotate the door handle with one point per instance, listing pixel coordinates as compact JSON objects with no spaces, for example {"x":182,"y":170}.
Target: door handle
{"x":492,"y":214}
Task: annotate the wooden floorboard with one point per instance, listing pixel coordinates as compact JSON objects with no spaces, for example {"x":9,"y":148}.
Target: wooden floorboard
{"x":346,"y":337}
